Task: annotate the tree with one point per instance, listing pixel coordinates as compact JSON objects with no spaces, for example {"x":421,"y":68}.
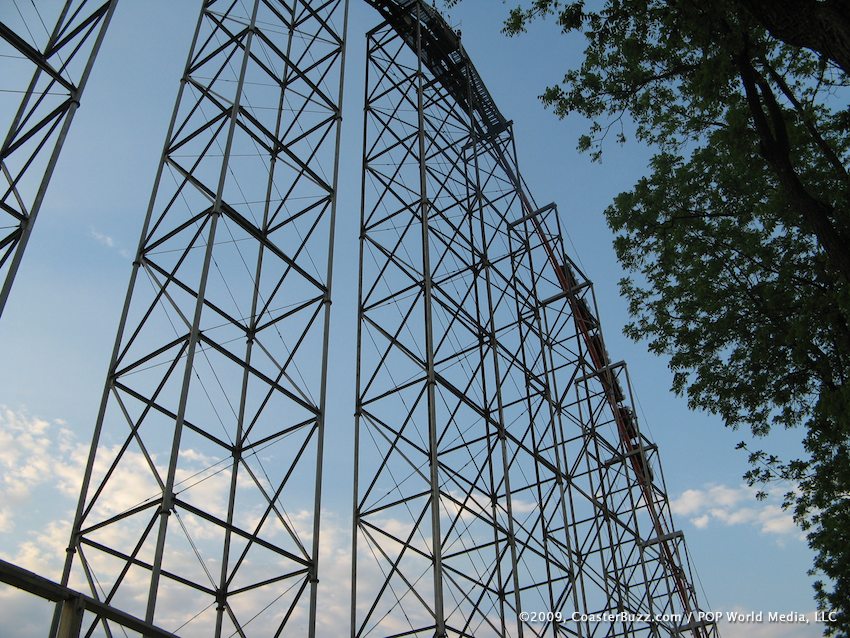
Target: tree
{"x":737,"y":242}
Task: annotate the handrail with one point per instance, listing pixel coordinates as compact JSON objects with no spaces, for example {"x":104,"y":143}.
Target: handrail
{"x":45,"y":588}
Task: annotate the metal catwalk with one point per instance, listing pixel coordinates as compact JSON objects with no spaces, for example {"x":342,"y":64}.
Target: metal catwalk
{"x":502,"y":486}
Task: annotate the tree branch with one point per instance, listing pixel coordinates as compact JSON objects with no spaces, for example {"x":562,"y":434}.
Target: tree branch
{"x":820,"y":142}
{"x":774,"y":147}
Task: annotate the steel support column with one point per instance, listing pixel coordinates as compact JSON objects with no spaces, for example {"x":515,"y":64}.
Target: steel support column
{"x":60,"y":69}
{"x":428,"y":318}
{"x":201,"y":499}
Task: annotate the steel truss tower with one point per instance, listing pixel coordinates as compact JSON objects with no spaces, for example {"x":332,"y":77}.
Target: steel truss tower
{"x":60,"y":69}
{"x":200,"y":503}
{"x":499,"y":470}
{"x":498,"y":466}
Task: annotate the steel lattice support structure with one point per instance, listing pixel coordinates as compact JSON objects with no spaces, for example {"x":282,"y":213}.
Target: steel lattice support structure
{"x":498,"y":466}
{"x":60,"y":69}
{"x":200,"y":503}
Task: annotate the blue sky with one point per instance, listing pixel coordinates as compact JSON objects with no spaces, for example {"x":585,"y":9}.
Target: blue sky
{"x":59,"y":325}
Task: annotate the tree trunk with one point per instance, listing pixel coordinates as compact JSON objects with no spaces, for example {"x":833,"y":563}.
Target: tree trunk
{"x":823,"y":27}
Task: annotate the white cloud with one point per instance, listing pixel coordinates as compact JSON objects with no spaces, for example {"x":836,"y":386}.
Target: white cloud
{"x":109,"y":242}
{"x":728,"y":506}
{"x":42,"y":550}
{"x":42,"y":462}
{"x":28,"y":448}
{"x":102,"y":239}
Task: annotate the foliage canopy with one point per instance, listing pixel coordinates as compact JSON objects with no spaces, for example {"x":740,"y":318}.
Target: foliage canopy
{"x":738,"y":240}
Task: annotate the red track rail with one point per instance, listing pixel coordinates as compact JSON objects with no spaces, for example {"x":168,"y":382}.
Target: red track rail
{"x":626,"y":425}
